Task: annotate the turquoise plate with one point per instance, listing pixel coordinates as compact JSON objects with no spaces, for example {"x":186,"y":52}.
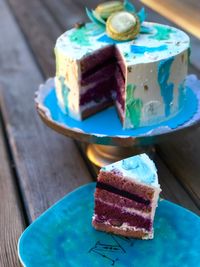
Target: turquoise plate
{"x":63,"y":237}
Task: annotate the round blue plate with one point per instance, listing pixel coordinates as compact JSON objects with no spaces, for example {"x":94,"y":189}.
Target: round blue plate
{"x":63,"y":237}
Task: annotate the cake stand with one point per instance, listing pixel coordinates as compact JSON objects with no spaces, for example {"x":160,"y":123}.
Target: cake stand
{"x":108,"y":142}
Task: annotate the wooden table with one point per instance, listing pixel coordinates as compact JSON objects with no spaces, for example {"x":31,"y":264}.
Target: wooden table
{"x":37,"y":165}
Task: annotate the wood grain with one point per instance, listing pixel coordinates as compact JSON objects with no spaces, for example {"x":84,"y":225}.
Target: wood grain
{"x":184,"y":13}
{"x":11,"y":216}
{"x":48,"y":165}
{"x":182,"y":158}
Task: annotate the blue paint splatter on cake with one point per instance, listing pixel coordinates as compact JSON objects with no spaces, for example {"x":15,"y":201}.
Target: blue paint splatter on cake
{"x":142,"y":49}
{"x":141,"y":167}
{"x":106,"y":39}
{"x":166,"y":88}
{"x":130,"y":164}
{"x":65,"y":93}
{"x":181,"y":98}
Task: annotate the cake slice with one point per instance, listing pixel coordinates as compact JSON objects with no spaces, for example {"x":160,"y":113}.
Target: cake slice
{"x":126,"y":197}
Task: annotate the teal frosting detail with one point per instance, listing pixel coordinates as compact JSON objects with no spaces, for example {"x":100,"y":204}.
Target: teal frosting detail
{"x":65,"y":93}
{"x":166,"y":88}
{"x":136,"y":49}
{"x":130,"y":164}
{"x":106,"y":39}
{"x":162,"y":33}
{"x":80,"y":36}
{"x":94,"y":17}
{"x":133,"y":106}
{"x":95,"y":125}
{"x":181,"y":99}
{"x":137,"y":166}
{"x":145,"y":30}
{"x":128,"y":6}
{"x":141,"y":15}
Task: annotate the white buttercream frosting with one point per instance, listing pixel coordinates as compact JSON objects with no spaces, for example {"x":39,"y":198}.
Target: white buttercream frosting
{"x":142,"y":58}
{"x":140,"y":168}
{"x":177,"y":42}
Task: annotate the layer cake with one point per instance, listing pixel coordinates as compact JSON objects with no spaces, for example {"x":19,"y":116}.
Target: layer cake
{"x":144,"y":77}
{"x":126,"y":197}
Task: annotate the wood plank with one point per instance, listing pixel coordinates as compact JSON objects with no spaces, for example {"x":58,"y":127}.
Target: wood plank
{"x":36,"y":22}
{"x":12,"y":220}
{"x":48,"y":165}
{"x":172,"y":189}
{"x":182,"y":157}
{"x":184,"y":13}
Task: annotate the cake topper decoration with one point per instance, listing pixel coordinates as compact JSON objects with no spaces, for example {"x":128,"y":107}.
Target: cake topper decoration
{"x":119,"y":20}
{"x":122,"y":26}
{"x":104,"y":10}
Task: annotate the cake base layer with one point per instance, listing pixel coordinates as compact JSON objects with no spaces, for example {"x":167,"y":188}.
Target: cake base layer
{"x":93,"y":110}
{"x":106,"y":212}
{"x":140,"y":234}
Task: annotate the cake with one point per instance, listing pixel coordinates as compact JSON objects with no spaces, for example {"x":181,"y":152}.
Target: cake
{"x":142,"y":77}
{"x":126,"y":197}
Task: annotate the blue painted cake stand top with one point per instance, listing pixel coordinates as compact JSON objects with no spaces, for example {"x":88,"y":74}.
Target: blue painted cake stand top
{"x":105,"y":126}
{"x":108,"y":123}
{"x":63,"y":236}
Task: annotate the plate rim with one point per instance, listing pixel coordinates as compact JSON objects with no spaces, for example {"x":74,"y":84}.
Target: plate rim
{"x":92,"y":185}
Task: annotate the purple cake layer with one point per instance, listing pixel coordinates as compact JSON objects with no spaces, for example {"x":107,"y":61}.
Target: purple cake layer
{"x":121,"y":201}
{"x":110,"y":213}
{"x":123,"y":193}
{"x":116,"y":179}
{"x":103,"y":73}
{"x":120,"y":62}
{"x":95,"y":60}
{"x":102,"y":90}
{"x":106,"y":68}
{"x":120,"y":97}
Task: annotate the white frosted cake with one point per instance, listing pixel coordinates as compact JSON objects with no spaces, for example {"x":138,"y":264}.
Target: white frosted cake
{"x":143,"y":77}
{"x":126,"y":197}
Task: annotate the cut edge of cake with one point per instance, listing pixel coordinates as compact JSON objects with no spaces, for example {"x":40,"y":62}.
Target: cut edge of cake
{"x":124,"y":204}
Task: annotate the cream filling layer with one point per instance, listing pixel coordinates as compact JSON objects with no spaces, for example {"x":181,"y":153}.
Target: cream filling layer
{"x":127,"y":227}
{"x":92,"y":104}
{"x":129,"y":210}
